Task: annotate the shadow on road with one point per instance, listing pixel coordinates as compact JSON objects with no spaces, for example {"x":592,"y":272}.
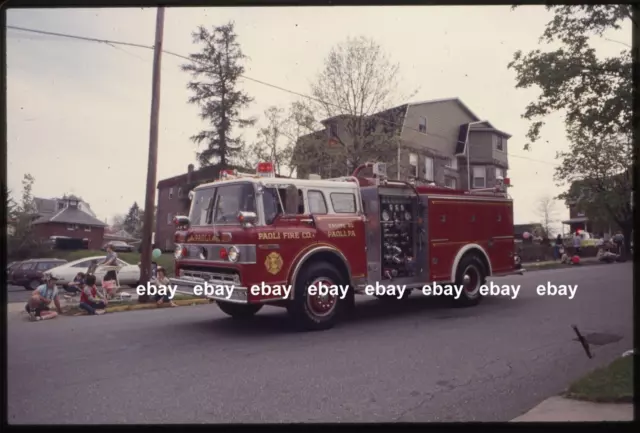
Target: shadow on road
{"x":274,"y":320}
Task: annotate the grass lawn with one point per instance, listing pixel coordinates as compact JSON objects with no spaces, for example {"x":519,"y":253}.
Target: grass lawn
{"x":166,"y":260}
{"x":611,"y":384}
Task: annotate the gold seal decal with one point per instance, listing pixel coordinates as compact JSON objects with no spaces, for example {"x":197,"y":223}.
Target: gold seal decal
{"x":273,"y":263}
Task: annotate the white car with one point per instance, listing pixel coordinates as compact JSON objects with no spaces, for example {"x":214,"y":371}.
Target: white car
{"x":128,"y":274}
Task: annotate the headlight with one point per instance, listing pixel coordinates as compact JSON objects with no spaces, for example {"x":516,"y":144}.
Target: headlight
{"x":234,"y":254}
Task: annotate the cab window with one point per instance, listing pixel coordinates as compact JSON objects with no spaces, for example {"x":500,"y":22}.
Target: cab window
{"x":343,"y":202}
{"x":317,"y":203}
{"x":274,"y":199}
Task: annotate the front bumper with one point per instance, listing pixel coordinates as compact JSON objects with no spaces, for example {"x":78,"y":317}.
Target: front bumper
{"x":187,"y":286}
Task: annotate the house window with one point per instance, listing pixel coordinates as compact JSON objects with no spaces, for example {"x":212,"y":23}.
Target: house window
{"x":167,"y":245}
{"x":428,"y":168}
{"x":422,"y":127}
{"x":450,"y":182}
{"x":169,"y":218}
{"x":413,"y":162}
{"x":170,"y":193}
{"x":479,"y":177}
{"x":451,"y":163}
{"x":500,"y":173}
{"x":498,"y":143}
{"x":72,"y":227}
{"x":180,"y":193}
{"x":333,"y":130}
{"x":87,"y":229}
{"x":60,"y":205}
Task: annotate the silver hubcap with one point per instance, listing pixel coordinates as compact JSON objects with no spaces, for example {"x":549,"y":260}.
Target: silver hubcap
{"x":471,"y":281}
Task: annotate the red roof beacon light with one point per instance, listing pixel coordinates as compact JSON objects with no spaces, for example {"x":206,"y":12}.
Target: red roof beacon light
{"x":265,"y":169}
{"x":506,"y":181}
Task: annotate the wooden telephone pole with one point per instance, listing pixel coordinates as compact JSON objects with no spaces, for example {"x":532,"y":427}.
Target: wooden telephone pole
{"x":150,"y":199}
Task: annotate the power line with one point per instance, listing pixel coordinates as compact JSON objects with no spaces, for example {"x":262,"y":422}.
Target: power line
{"x":114,"y":44}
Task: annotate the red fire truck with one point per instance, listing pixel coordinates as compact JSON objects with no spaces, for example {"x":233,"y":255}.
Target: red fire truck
{"x":261,"y":235}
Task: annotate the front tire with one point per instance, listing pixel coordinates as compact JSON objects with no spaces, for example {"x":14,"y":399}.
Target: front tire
{"x":317,"y":312}
{"x":471,"y":274}
{"x":239,"y":311}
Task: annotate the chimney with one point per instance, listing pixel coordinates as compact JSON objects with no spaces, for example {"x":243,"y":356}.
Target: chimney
{"x":189,"y":173}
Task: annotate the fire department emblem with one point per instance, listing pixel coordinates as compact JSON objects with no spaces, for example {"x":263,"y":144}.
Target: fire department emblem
{"x":273,"y":263}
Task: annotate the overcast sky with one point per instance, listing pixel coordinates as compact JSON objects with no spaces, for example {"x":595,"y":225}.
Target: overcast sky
{"x":78,"y":112}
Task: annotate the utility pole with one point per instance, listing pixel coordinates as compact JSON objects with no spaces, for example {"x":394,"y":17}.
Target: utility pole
{"x":150,"y":199}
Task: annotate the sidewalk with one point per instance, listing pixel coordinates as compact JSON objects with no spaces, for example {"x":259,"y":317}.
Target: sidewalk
{"x":561,"y":409}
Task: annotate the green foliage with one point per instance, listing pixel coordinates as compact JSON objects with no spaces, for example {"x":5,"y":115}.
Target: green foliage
{"x":133,"y":221}
{"x":216,"y":70}
{"x":23,"y":243}
{"x":598,"y":169}
{"x":594,"y":93}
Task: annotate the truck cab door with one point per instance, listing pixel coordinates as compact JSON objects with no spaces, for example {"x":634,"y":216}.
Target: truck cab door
{"x":288,"y":231}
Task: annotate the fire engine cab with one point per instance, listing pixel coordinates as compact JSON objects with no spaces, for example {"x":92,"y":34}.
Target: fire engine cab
{"x":259,"y":235}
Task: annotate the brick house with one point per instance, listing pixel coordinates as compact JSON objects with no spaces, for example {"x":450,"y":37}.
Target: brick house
{"x":432,"y":146}
{"x":69,"y":216}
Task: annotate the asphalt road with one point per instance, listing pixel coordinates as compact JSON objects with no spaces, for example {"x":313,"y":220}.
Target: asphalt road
{"x":17,"y":294}
{"x":418,"y":361}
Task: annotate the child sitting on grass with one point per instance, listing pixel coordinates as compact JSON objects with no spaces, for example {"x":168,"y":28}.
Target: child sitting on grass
{"x":162,"y":280}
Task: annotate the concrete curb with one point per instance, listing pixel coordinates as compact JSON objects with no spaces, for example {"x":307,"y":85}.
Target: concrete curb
{"x":559,"y":409}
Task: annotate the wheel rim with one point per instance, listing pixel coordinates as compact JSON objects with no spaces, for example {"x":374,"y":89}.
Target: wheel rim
{"x":471,"y":281}
{"x":321,"y":305}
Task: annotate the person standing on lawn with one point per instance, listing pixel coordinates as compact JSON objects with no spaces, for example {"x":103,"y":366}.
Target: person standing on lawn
{"x":38,"y":305}
{"x":110,"y":260}
{"x":558,"y":247}
{"x":89,"y":299}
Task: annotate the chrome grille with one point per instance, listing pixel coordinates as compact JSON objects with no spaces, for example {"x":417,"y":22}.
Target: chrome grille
{"x":209,"y":276}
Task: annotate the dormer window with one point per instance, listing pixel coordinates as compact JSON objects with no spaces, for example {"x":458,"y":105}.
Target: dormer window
{"x":333,"y":129}
{"x":60,"y":205}
{"x":73,"y":203}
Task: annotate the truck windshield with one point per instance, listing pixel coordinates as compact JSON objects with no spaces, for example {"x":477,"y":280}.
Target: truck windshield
{"x":231,"y":199}
{"x":220,"y":205}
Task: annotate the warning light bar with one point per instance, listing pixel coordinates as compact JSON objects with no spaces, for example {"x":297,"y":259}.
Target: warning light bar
{"x":265,"y":169}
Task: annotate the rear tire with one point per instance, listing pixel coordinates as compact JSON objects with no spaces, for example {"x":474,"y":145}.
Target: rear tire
{"x":472,"y":275}
{"x":315,"y":313}
{"x":239,"y":311}
{"x":33,"y":284}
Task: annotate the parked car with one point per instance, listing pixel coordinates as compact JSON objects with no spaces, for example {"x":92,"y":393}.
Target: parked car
{"x":119,"y":246}
{"x":128,"y":274}
{"x":8,"y":271}
{"x":30,"y":272}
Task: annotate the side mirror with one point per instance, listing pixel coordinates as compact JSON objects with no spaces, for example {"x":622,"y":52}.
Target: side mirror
{"x":181,"y":221}
{"x":292,"y":200}
{"x":247,"y":218}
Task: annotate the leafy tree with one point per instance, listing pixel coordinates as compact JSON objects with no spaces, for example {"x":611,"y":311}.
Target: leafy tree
{"x":357,"y":83}
{"x":594,"y":93}
{"x":599,"y":171}
{"x":132,"y":221}
{"x":10,"y":203}
{"x":216,"y":70}
{"x":23,"y":243}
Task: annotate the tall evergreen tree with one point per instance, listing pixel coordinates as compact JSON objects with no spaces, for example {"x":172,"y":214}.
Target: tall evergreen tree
{"x":132,"y":220}
{"x":215,"y":72}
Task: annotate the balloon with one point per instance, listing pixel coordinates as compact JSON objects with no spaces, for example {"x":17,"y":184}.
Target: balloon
{"x":156,"y":253}
{"x":526,"y":235}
